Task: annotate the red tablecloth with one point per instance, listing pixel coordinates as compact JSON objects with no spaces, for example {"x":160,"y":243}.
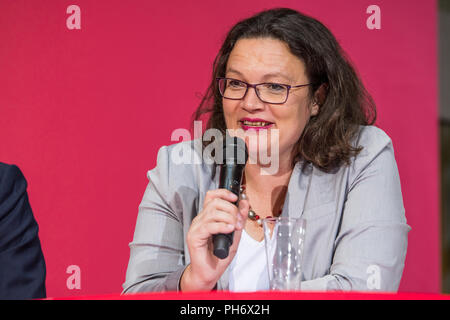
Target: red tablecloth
{"x":223,"y":295}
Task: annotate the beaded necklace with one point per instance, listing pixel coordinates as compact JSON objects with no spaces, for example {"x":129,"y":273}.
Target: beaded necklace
{"x":251,"y":213}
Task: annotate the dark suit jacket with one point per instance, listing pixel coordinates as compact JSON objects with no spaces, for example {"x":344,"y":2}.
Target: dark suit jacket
{"x":22,"y":265}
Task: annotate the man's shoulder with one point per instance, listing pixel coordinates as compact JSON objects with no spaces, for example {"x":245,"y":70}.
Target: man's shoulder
{"x":10,"y":178}
{"x":12,"y":188}
{"x":4,"y":168}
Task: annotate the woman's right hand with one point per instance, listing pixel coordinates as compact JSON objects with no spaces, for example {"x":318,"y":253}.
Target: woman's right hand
{"x":219,"y":215}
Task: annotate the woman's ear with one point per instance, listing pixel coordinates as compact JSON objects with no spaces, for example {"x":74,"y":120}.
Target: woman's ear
{"x":319,"y":98}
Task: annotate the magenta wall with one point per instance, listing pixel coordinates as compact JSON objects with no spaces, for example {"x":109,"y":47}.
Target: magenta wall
{"x":83,"y":113}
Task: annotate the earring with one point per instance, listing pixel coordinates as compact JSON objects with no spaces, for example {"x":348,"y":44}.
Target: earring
{"x":317,"y":110}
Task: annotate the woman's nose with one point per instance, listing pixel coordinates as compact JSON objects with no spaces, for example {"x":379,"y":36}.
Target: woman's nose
{"x":251,"y":100}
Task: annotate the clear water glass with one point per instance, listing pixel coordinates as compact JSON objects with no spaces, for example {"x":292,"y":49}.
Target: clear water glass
{"x":284,"y":240}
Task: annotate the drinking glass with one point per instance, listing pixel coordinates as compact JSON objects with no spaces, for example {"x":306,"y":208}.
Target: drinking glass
{"x":284,"y":239}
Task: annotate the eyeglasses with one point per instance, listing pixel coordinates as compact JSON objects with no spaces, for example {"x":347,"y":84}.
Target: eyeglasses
{"x":268,"y":92}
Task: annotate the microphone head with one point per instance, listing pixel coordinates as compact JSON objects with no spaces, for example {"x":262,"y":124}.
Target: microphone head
{"x":234,"y":151}
{"x":221,"y":246}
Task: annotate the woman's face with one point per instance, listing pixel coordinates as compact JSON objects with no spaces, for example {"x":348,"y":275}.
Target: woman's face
{"x":268,"y":60}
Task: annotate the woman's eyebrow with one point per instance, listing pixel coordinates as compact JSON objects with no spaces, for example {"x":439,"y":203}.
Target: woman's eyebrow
{"x":266,"y":76}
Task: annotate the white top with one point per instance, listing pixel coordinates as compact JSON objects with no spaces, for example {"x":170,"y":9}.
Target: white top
{"x":248,"y":270}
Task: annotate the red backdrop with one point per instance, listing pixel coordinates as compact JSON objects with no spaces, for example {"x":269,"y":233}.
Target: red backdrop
{"x":83,"y":113}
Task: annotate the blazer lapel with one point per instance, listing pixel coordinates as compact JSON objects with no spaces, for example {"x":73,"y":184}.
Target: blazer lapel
{"x":298,"y":188}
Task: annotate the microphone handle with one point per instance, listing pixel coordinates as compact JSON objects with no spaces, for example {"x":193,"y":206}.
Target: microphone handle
{"x":230,"y":179}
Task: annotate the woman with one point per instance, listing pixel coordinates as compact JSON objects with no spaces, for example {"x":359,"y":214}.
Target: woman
{"x":335,"y":170}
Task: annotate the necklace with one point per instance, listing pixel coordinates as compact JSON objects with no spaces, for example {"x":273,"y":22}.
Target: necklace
{"x":251,"y":213}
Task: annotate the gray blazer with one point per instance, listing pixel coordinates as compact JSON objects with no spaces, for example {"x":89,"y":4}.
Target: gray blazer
{"x":356,"y":236}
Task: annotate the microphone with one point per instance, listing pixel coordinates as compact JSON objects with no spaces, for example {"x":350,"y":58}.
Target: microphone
{"x":235,"y":156}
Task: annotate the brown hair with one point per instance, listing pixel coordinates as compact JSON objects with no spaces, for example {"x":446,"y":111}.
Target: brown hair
{"x":344,"y":105}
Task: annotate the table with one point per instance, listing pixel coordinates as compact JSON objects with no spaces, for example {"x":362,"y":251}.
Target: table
{"x":264,"y":295}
